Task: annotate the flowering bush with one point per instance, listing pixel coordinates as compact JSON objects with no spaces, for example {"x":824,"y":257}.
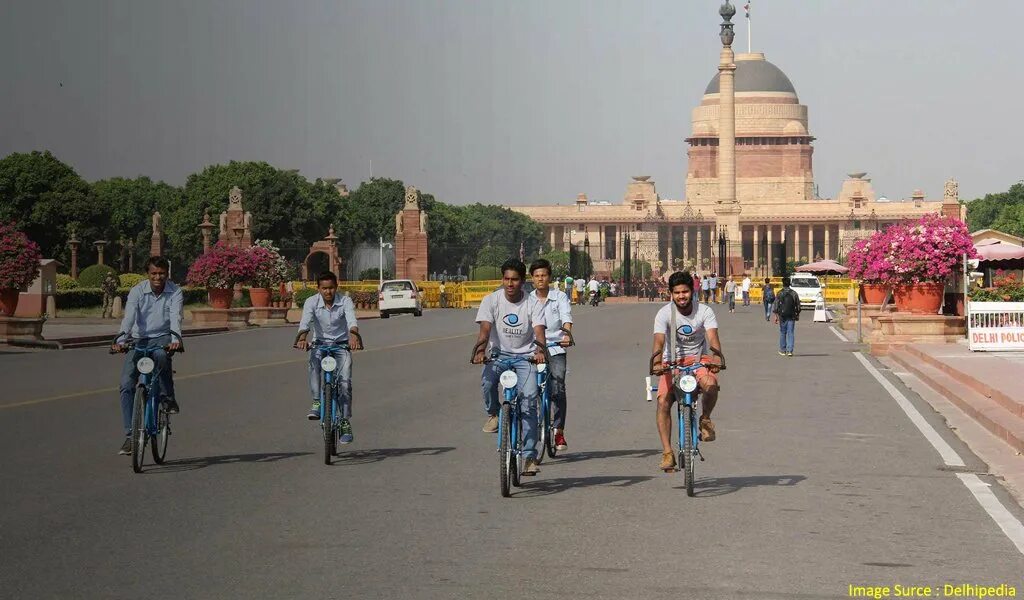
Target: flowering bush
{"x":19,"y":258}
{"x":269,"y":267}
{"x":928,"y":250}
{"x":222,"y":267}
{"x":1005,"y":288}
{"x":866,"y":261}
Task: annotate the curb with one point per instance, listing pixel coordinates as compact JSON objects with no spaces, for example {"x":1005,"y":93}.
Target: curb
{"x":88,"y":341}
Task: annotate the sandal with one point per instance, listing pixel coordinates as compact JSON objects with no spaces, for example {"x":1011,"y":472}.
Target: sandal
{"x":668,"y":462}
{"x":707,"y":430}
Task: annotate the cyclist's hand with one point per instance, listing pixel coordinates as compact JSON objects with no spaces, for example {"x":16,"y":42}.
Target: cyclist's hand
{"x":478,"y":358}
{"x":355,"y":344}
{"x":659,"y":368}
{"x":174,"y":346}
{"x":566,"y":342}
{"x":538,"y":357}
{"x":119,"y":348}
{"x":302,"y":345}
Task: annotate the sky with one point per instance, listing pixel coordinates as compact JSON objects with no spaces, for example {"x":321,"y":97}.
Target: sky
{"x":515,"y":102}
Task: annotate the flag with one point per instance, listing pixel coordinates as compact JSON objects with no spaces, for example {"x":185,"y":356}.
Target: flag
{"x":746,"y":7}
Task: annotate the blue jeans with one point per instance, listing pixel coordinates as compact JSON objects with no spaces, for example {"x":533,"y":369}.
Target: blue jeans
{"x":767,"y":310}
{"x":130,"y":377}
{"x":343,"y":373}
{"x":556,"y":389}
{"x":528,"y":395}
{"x":787,"y":334}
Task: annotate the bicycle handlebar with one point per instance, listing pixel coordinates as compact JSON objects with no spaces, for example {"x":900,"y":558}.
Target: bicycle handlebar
{"x":132,"y":344}
{"x":346,"y":346}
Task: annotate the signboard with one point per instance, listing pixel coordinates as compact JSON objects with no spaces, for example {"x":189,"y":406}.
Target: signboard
{"x":995,"y":326}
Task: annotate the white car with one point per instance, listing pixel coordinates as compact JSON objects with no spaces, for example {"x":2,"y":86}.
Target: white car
{"x":399,"y":296}
{"x":808,"y":288}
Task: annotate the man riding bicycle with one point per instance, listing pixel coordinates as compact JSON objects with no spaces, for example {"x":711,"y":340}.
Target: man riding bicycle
{"x":557,"y":317}
{"x":696,"y":331}
{"x":513,"y":322}
{"x":152,"y":315}
{"x":331,"y":318}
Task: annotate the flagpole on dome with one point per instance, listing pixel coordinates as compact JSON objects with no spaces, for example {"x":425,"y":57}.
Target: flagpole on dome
{"x":746,"y":7}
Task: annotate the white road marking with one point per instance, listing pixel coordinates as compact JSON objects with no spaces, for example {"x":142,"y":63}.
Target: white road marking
{"x":995,"y":509}
{"x":949,"y":456}
{"x":838,"y":333}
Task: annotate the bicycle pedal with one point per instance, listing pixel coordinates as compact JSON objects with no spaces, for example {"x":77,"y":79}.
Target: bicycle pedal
{"x":700,"y":455}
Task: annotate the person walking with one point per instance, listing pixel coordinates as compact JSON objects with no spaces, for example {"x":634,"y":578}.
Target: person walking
{"x":768,"y":297}
{"x":581,"y":290}
{"x":712,"y":291}
{"x":787,"y":313}
{"x":730,"y":294}
{"x":109,"y":288}
{"x":443,"y":295}
{"x":745,"y":288}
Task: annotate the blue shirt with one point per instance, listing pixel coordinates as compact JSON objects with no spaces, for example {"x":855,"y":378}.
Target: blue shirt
{"x":329,"y":324}
{"x":557,"y":312}
{"x":147,"y":315}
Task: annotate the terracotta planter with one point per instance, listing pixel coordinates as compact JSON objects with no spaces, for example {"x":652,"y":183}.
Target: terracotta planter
{"x":260,"y":297}
{"x":8,"y":302}
{"x":220,"y":297}
{"x":920,"y":298}
{"x":874,"y":293}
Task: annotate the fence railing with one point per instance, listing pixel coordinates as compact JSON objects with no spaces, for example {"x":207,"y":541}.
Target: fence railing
{"x":995,"y":326}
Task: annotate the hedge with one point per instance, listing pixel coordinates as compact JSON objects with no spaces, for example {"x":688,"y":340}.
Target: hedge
{"x":130,"y":280}
{"x":302,"y":295}
{"x":91,"y":297}
{"x":65,"y":282}
{"x":92,"y":276}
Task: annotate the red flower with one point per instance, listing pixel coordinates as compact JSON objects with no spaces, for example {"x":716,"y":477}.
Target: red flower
{"x":19,"y":258}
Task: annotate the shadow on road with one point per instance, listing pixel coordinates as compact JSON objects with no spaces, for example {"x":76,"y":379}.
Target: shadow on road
{"x":546,"y":487}
{"x":598,"y":454}
{"x":191,"y":464}
{"x":359,"y":457}
{"x":720,"y":486}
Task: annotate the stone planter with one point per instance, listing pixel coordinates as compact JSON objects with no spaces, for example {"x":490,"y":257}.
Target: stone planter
{"x":874,"y":293}
{"x":235,"y":318}
{"x":220,"y":298}
{"x":897,"y":329}
{"x":919,"y":298}
{"x":260,"y":297}
{"x":271,"y":315}
{"x":9,"y":301}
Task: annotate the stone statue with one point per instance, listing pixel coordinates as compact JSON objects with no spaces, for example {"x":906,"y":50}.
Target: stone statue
{"x":223,"y":224}
{"x":247,"y":221}
{"x":156,"y":223}
{"x":952,"y":191}
{"x":399,"y":225}
{"x":423,"y":221}
{"x":412,"y":197}
{"x":235,"y":199}
{"x":206,"y":217}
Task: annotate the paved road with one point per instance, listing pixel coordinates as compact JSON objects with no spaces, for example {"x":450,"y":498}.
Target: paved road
{"x":818,"y":479}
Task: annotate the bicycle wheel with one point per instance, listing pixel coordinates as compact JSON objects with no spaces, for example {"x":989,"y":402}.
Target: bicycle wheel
{"x":505,"y":450}
{"x":138,"y":428}
{"x":544,"y":434}
{"x":549,"y":418}
{"x":158,"y":443}
{"x":516,"y":439}
{"x":687,"y":450}
{"x":327,"y":422}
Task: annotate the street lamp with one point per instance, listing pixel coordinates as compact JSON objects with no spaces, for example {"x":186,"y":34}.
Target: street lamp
{"x":380,"y":271}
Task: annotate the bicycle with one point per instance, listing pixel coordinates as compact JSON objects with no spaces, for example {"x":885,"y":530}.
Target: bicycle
{"x":150,"y":420}
{"x":684,"y":382}
{"x":547,"y":429}
{"x":330,"y":409}
{"x":511,"y":458}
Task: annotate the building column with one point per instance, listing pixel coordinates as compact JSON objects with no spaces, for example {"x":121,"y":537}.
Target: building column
{"x":828,"y":241}
{"x":757,"y":247}
{"x":811,"y":239}
{"x":770,"y":233}
{"x":700,"y":249}
{"x":685,"y":254}
{"x":796,"y":242}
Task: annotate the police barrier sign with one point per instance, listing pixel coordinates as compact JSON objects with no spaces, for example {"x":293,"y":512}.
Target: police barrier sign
{"x":994,"y":326}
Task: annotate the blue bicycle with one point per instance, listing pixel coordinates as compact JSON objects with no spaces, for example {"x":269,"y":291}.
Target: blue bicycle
{"x":150,"y":420}
{"x":687,"y":389}
{"x":330,"y":407}
{"x":547,"y":428}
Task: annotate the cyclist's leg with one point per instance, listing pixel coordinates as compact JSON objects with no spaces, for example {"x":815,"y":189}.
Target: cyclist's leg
{"x":313,"y":368}
{"x":163,"y":365}
{"x":556,"y":389}
{"x":344,"y":374}
{"x":129,"y":377}
{"x":489,"y":388}
{"x":664,"y":415}
{"x":528,"y":395}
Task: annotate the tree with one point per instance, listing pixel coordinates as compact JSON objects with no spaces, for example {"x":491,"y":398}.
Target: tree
{"x":48,"y":199}
{"x":369,"y":212}
{"x":998,"y":211}
{"x":128,"y":209}
{"x":638,"y":268}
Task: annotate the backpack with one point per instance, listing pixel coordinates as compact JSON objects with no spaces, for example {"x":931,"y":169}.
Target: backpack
{"x":789,"y":305}
{"x":769,"y":295}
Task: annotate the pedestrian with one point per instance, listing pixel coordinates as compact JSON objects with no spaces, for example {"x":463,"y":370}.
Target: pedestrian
{"x":109,"y":288}
{"x":712,"y":291}
{"x":787,"y":313}
{"x":696,"y":285}
{"x":613,"y":289}
{"x":730,"y":294}
{"x":443,"y":295}
{"x":580,"y":284}
{"x":768,"y":297}
{"x":745,"y":288}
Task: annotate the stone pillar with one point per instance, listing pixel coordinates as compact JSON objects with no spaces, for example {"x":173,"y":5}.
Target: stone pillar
{"x":828,"y":241}
{"x":700,"y":249}
{"x":156,"y":241}
{"x":811,"y":237}
{"x":757,"y":247}
{"x":100,"y":244}
{"x":727,"y":111}
{"x":411,"y":239}
{"x":769,"y":231}
{"x":796,"y":242}
{"x":206,"y":227}
{"x":685,"y":254}
{"x":74,"y":243}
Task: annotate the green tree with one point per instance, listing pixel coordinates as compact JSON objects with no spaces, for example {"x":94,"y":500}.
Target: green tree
{"x":128,"y":209}
{"x":369,"y":212}
{"x":47,"y":199}
{"x":638,"y":268}
{"x":998,"y":211}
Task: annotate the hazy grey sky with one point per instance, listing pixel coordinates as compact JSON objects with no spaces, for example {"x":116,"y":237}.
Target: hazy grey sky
{"x":518,"y":102}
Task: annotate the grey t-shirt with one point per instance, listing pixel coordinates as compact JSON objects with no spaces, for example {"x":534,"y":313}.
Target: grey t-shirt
{"x":691,"y":339}
{"x":512,"y":322}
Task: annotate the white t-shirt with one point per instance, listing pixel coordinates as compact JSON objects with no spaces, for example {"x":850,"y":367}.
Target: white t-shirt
{"x":557,"y":312}
{"x":580,"y":284}
{"x":691,"y":339}
{"x":512,"y":323}
{"x":592,"y":285}
{"x":746,"y":284}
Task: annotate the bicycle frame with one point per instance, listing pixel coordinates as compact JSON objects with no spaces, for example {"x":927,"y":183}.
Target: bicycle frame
{"x":511,"y":398}
{"x":151,"y":382}
{"x":689,"y":400}
{"x":321,"y":351}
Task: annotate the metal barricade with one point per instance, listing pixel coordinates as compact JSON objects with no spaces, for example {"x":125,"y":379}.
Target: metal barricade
{"x":995,"y":326}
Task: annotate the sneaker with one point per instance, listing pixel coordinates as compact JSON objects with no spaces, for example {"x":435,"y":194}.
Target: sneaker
{"x":126,"y":447}
{"x":668,"y":461}
{"x":781,"y":353}
{"x":314,"y":411}
{"x":531,"y":468}
{"x":346,"y":432}
{"x":560,"y":441}
{"x":491,"y":426}
{"x":789,"y":354}
{"x":172,"y":405}
{"x":707,"y":430}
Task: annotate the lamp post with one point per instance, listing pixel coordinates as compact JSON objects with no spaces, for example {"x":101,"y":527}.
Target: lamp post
{"x":586,"y":250}
{"x":380,"y":271}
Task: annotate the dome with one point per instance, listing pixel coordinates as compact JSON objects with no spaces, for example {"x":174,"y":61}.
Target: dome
{"x":794,"y":128}
{"x":755,"y":74}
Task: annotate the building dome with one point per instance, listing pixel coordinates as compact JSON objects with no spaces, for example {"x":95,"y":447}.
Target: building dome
{"x":794,"y":128}
{"x":755,"y":74}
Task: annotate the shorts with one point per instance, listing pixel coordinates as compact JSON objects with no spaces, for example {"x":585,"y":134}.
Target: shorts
{"x":704,"y":376}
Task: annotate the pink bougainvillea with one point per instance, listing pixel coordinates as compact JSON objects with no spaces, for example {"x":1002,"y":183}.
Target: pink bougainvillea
{"x":269,"y":267}
{"x":19,"y":258}
{"x":222,"y":267}
{"x":929,"y":249}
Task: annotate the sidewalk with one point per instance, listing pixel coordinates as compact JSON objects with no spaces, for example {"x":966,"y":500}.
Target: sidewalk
{"x":984,"y":385}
